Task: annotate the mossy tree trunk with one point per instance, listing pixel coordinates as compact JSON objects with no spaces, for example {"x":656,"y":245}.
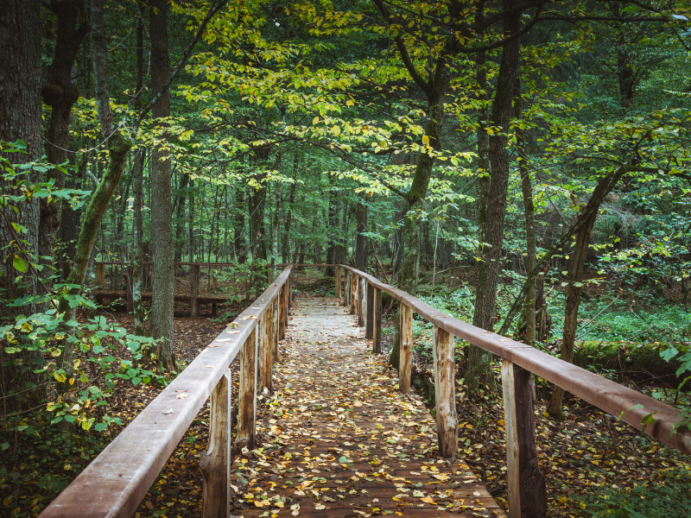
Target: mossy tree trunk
{"x":490,"y":266}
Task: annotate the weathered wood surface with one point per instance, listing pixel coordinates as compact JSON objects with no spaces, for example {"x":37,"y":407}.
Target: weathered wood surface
{"x":613,"y":398}
{"x":445,"y":393}
{"x":377,"y":322}
{"x":340,"y":431}
{"x":215,"y":461}
{"x":527,"y":489}
{"x":405,"y":365}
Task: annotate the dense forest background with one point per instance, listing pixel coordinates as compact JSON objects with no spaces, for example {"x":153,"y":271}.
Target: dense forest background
{"x":521,"y":165}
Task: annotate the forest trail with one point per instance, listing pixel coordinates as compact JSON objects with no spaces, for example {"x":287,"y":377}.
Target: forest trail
{"x":341,"y":441}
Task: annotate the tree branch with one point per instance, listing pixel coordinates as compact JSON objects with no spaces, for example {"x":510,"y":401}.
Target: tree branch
{"x":212,"y":11}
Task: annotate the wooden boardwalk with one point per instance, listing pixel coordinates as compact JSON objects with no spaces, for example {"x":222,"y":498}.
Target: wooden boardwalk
{"x":339,"y":440}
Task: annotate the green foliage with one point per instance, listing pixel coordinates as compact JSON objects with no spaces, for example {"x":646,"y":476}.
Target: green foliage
{"x":667,"y":497}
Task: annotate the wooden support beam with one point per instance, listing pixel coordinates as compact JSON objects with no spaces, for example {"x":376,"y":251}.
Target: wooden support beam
{"x":346,"y":299}
{"x":405,"y":366}
{"x":99,"y":275}
{"x":282,"y":316}
{"x":527,"y":490}
{"x":338,"y":282}
{"x":266,"y":348}
{"x":376,"y":322}
{"x":275,"y":329}
{"x":445,"y":393}
{"x":194,"y":290}
{"x":214,"y":309}
{"x":247,"y":396}
{"x":353,"y":293}
{"x":215,"y":461}
{"x":369,"y":321}
{"x":361,"y":300}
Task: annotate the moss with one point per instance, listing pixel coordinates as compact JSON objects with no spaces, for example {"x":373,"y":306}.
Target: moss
{"x":637,"y":362}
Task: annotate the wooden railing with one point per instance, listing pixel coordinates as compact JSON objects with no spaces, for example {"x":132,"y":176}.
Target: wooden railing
{"x":115,"y":482}
{"x":526,"y":486}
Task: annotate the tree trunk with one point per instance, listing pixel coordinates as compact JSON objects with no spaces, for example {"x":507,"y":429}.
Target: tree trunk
{"x":20,"y":118}
{"x":489,"y":268}
{"x":573,"y":297}
{"x":331,"y":224}
{"x":180,"y":217}
{"x":361,"y":240}
{"x":239,"y":238}
{"x":190,"y":224}
{"x":162,"y":325}
{"x":60,"y":93}
{"x":529,"y":209}
{"x":137,"y":184}
{"x":256,"y":205}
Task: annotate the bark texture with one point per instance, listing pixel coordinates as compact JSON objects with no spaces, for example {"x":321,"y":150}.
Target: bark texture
{"x":489,"y":268}
{"x":20,"y":118}
{"x":162,"y":327}
{"x":60,"y":93}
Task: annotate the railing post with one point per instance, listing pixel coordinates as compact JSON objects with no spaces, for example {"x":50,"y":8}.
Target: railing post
{"x":353,"y":293}
{"x":346,"y":299}
{"x":247,"y":429}
{"x":290,"y":290}
{"x":361,"y":302}
{"x":99,"y":275}
{"x":274,"y":329}
{"x":282,"y":310}
{"x":405,"y":365}
{"x":194,"y":290}
{"x":215,"y":461}
{"x":527,"y":490}
{"x":376,"y":322}
{"x":369,"y":321}
{"x":266,"y":348}
{"x":338,"y":282}
{"x":445,"y":393}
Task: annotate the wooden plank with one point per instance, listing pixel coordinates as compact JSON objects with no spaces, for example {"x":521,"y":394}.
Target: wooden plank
{"x":376,"y":322}
{"x":369,"y":321}
{"x":215,"y":461}
{"x":527,"y":489}
{"x":445,"y":393}
{"x":310,"y":443}
{"x":405,"y":366}
{"x":247,"y":396}
{"x":194,"y":290}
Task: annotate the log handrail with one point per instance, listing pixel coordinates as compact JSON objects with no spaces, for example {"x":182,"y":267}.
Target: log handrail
{"x":612,"y":397}
{"x":526,"y":484}
{"x":116,"y":481}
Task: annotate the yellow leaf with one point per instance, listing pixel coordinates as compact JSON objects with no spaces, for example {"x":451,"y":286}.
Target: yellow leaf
{"x":428,"y":500}
{"x":425,"y":140}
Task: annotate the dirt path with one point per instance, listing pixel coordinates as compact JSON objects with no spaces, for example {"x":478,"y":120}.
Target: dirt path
{"x":340,"y":441}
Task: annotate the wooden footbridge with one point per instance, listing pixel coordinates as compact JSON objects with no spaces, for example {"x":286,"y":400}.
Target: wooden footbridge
{"x":372,"y":447}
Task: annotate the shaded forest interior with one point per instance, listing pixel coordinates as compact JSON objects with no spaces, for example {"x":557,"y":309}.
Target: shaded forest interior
{"x":522,"y":166}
